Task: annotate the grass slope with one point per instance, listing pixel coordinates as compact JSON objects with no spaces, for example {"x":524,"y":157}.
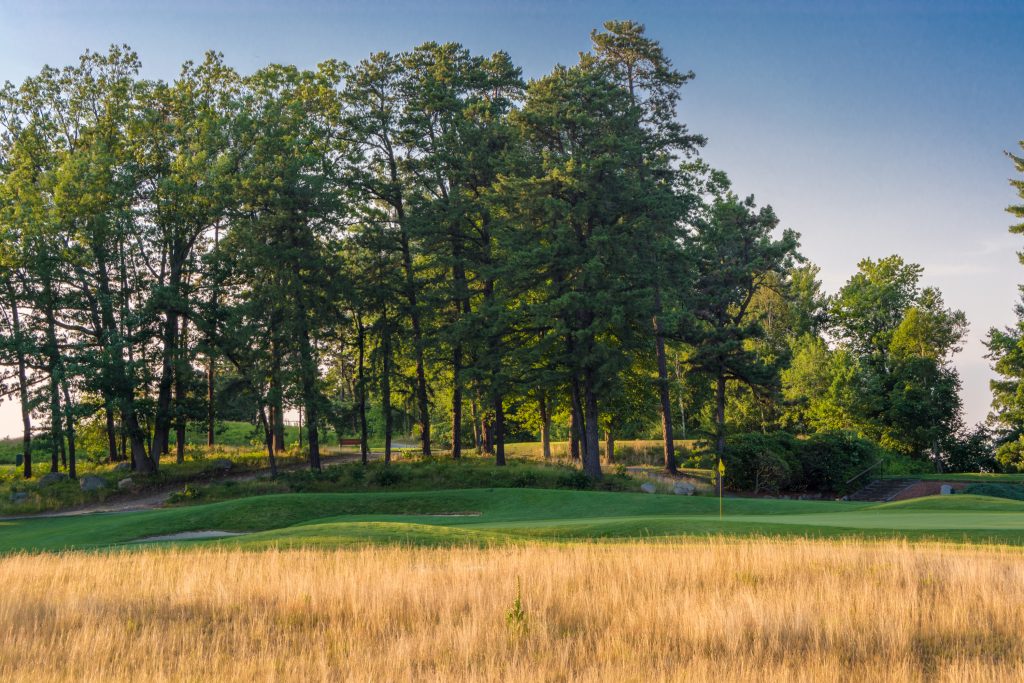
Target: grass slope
{"x":484,"y":516}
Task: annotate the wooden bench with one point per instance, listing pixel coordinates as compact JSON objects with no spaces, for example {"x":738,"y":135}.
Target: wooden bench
{"x":348,"y":442}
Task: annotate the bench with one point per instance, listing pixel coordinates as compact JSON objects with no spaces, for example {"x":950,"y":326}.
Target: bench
{"x":348,"y":442}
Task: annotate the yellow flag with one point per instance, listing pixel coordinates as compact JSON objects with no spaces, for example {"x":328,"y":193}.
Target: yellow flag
{"x":721,"y":468}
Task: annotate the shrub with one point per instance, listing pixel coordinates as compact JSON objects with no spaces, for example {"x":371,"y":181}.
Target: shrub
{"x":760,"y":462}
{"x":829,"y":459}
{"x":575,"y":479}
{"x":386,"y":476}
{"x":778,"y":461}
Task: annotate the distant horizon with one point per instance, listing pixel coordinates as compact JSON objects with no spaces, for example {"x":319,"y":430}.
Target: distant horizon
{"x":872,"y":130}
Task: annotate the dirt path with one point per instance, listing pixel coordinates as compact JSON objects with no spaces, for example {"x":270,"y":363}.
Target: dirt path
{"x":153,"y":499}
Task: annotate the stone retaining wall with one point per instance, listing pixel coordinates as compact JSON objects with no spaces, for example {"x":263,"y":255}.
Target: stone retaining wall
{"x":929,"y":488}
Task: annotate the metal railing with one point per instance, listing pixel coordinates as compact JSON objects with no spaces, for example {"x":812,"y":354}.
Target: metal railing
{"x":865,"y":471}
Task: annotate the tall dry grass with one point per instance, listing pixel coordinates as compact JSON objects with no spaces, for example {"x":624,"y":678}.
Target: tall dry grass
{"x":715,"y":610}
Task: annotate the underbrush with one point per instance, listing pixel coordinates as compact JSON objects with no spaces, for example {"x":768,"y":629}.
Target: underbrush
{"x":20,"y":495}
{"x":627,"y":452}
{"x":423,"y":474}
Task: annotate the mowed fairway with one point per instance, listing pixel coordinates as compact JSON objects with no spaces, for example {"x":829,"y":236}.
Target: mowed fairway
{"x":488,"y":516}
{"x":695,"y":610}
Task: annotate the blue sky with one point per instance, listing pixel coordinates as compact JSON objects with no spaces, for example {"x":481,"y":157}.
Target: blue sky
{"x":872,"y":127}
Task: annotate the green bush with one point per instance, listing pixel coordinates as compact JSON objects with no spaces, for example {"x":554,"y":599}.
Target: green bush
{"x":759,"y":462}
{"x":828,"y":460}
{"x":576,"y":479}
{"x":779,"y":461}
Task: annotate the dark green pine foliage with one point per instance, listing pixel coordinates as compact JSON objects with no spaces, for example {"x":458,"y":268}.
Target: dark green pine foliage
{"x":672,"y":176}
{"x":583,"y":204}
{"x":286,"y":229}
{"x":457,"y":136}
{"x":735,"y":252}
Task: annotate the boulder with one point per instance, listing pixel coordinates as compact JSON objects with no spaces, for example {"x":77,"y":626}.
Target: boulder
{"x":123,"y":467}
{"x":648,"y":487}
{"x":52,"y":478}
{"x":125,"y":484}
{"x":945,"y":490}
{"x":19,"y":497}
{"x":684,"y":488}
{"x":92,"y":483}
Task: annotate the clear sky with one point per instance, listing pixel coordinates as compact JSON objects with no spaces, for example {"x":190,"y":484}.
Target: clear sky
{"x":872,"y":127}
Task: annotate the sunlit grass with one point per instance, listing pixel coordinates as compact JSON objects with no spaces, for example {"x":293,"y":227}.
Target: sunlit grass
{"x":701,"y":610}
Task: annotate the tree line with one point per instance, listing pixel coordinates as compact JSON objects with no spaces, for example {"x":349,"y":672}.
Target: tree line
{"x":427,"y":237}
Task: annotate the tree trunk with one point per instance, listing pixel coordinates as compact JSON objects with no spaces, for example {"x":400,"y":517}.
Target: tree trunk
{"x":55,"y":368}
{"x":385,"y":384}
{"x":69,"y":430}
{"x":719,"y":426}
{"x":456,"y":403}
{"x":591,"y":433}
{"x":682,"y":419}
{"x":474,"y":414}
{"x":364,"y":445}
{"x":609,"y":446}
{"x":141,"y":461}
{"x":487,"y":432}
{"x":211,"y":411}
{"x":574,"y":433}
{"x":112,"y":454}
{"x":422,"y":402}
{"x":545,"y":428}
{"x":461,"y":307}
{"x":577,"y":424}
{"x":210,"y":369}
{"x":268,"y":439}
{"x":720,"y":415}
{"x":180,"y":389}
{"x":26,"y":413}
{"x":499,"y":432}
{"x":56,"y":432}
{"x":663,"y":393}
{"x":275,"y":397}
{"x":168,"y":355}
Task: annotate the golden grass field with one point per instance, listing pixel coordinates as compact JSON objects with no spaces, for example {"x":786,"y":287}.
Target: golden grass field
{"x":700,"y":610}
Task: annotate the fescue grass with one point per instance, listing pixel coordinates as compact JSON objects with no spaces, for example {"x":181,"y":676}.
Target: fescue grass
{"x":701,"y":610}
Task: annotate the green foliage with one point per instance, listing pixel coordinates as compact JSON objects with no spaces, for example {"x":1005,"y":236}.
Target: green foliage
{"x":822,"y":463}
{"x":1011,"y":491}
{"x":760,"y":462}
{"x":515,"y":617}
{"x":1010,"y":455}
{"x":416,"y":474}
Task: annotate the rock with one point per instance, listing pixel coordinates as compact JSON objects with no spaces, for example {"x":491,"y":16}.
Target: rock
{"x":648,"y":487}
{"x":684,"y":488}
{"x":945,"y":490}
{"x":123,"y":467}
{"x":92,"y":483}
{"x":52,"y":478}
{"x":222,"y":464}
{"x":125,"y":484}
{"x":19,"y":497}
